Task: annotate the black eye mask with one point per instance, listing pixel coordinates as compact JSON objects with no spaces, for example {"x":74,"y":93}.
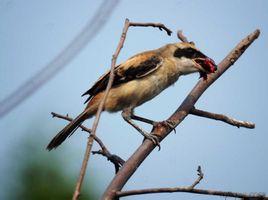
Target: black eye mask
{"x":188,"y":53}
{"x":207,"y":63}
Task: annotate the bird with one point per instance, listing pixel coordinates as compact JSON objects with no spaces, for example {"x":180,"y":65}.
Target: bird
{"x":138,"y":80}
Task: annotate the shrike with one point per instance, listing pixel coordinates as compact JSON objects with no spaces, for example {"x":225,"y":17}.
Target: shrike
{"x":138,"y":80}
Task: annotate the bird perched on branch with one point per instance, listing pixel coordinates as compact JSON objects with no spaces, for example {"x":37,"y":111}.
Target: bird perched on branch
{"x":138,"y":80}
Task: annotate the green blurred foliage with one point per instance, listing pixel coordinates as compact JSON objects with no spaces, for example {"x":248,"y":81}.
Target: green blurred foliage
{"x":39,"y":175}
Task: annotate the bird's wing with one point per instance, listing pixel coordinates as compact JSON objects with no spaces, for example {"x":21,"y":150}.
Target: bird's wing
{"x":135,"y":67}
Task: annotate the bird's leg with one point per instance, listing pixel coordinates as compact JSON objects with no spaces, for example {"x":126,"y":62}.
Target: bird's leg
{"x":127,"y":115}
{"x":142,"y":119}
{"x":168,"y":123}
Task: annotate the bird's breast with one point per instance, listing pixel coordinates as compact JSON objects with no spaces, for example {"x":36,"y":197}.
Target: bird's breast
{"x":153,"y":84}
{"x":138,"y":91}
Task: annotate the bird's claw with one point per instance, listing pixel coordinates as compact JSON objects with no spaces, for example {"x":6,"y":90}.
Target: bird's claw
{"x":170,"y":124}
{"x":154,"y":139}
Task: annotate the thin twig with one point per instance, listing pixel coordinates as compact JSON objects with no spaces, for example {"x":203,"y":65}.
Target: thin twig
{"x":200,"y":175}
{"x":224,"y":118}
{"x":177,"y":117}
{"x":101,"y":105}
{"x":157,"y":25}
{"x":95,"y":124}
{"x":116,"y":160}
{"x":92,"y":28}
{"x":189,"y":190}
{"x":182,"y":37}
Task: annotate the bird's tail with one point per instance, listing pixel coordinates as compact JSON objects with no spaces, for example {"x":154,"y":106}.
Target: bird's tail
{"x":68,"y":130}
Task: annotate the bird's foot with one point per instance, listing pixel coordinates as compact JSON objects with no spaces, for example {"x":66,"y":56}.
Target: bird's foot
{"x":153,"y":138}
{"x":168,"y":123}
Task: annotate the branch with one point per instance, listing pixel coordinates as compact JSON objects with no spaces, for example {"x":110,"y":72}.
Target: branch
{"x":101,"y":105}
{"x":182,"y":37}
{"x":200,"y":177}
{"x":220,"y":117}
{"x":156,"y":25}
{"x":92,"y":28}
{"x":189,"y":190}
{"x":116,"y":160}
{"x":66,"y":117}
{"x":184,"y":109}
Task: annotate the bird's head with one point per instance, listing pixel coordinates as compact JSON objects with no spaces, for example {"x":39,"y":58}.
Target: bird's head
{"x":191,"y":60}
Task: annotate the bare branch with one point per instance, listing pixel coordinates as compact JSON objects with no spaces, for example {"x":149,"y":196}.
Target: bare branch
{"x":156,"y":25}
{"x":92,"y":28}
{"x":116,"y":160}
{"x":184,"y":109}
{"x":194,"y":191}
{"x":200,"y":177}
{"x":101,"y":105}
{"x":220,"y":117}
{"x":97,"y":118}
{"x":191,"y":189}
{"x":181,"y":36}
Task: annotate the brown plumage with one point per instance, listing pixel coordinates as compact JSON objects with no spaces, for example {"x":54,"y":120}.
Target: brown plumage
{"x":137,"y":80}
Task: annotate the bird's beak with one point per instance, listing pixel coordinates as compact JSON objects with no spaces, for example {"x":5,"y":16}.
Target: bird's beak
{"x":205,"y":66}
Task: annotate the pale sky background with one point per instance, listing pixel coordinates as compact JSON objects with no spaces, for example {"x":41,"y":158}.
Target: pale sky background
{"x":32,"y":33}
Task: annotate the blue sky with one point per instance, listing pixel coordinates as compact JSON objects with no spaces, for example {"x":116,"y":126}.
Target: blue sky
{"x":234,"y":159}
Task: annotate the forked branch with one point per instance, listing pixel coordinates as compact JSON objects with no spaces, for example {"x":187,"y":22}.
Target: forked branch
{"x":176,"y":118}
{"x":194,"y":191}
{"x":187,"y":107}
{"x":116,"y":160}
{"x":191,"y":189}
{"x":101,"y":105}
{"x":200,"y":175}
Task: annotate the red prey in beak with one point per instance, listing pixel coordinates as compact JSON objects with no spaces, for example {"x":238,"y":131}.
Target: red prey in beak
{"x":206,"y":66}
